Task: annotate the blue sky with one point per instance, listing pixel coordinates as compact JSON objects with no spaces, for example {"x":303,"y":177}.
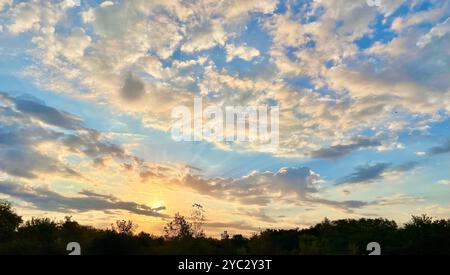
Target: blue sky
{"x":364,"y":94}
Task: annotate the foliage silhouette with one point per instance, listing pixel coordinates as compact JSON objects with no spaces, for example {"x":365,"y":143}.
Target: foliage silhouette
{"x":178,"y":229}
{"x":421,"y":235}
{"x":124,"y":227}
{"x":9,"y":221}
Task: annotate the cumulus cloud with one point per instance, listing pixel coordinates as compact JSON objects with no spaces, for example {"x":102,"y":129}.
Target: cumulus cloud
{"x":44,"y":199}
{"x":170,"y":48}
{"x":36,"y":15}
{"x":243,"y":52}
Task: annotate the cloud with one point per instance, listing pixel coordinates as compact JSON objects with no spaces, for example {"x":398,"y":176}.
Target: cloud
{"x":438,"y":31}
{"x":27,"y":125}
{"x":133,"y":88}
{"x":400,"y":199}
{"x":36,"y":15}
{"x":341,"y":150}
{"x":253,"y":188}
{"x":298,"y":186}
{"x":29,"y":163}
{"x":47,"y":200}
{"x":374,"y":172}
{"x":243,"y":52}
{"x":366,"y":173}
{"x":350,"y":90}
{"x":205,"y":36}
{"x":4,"y":4}
{"x":444,"y":182}
{"x":442,"y":149}
{"x":258,"y":214}
{"x":47,"y":114}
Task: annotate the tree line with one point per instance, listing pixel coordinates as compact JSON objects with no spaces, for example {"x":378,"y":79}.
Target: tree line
{"x":185,"y":236}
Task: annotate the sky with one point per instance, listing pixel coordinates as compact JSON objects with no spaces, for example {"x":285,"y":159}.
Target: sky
{"x":87,"y":90}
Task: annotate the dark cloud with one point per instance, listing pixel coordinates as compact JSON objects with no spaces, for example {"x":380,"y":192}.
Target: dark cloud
{"x":405,"y":167}
{"x":347,"y":206}
{"x":292,"y":185}
{"x":29,"y":163}
{"x":20,"y":158}
{"x":367,"y":173}
{"x":47,"y":114}
{"x":370,"y":173}
{"x":338,"y":151}
{"x":47,"y":200}
{"x":20,"y":136}
{"x":442,"y":149}
{"x":133,"y":88}
{"x":258,"y":187}
{"x":89,"y":142}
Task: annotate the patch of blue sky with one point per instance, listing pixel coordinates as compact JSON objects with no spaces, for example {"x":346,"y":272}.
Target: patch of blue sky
{"x":409,"y":7}
{"x":381,"y":33}
{"x":300,"y":10}
{"x":282,"y":7}
{"x":255,"y":36}
{"x":424,"y":5}
{"x":70,"y":21}
{"x":15,"y":45}
{"x":300,"y":82}
{"x":424,"y":181}
{"x":441,"y":129}
{"x":159,"y":147}
{"x":219,"y":56}
{"x":252,"y":36}
{"x":257,"y":68}
{"x":180,"y":55}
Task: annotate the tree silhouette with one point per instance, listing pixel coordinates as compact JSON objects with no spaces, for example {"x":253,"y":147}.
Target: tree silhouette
{"x":225,"y":235}
{"x":178,"y":228}
{"x":9,"y":220}
{"x":421,"y":235}
{"x":124,"y":227}
{"x":198,"y":220}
